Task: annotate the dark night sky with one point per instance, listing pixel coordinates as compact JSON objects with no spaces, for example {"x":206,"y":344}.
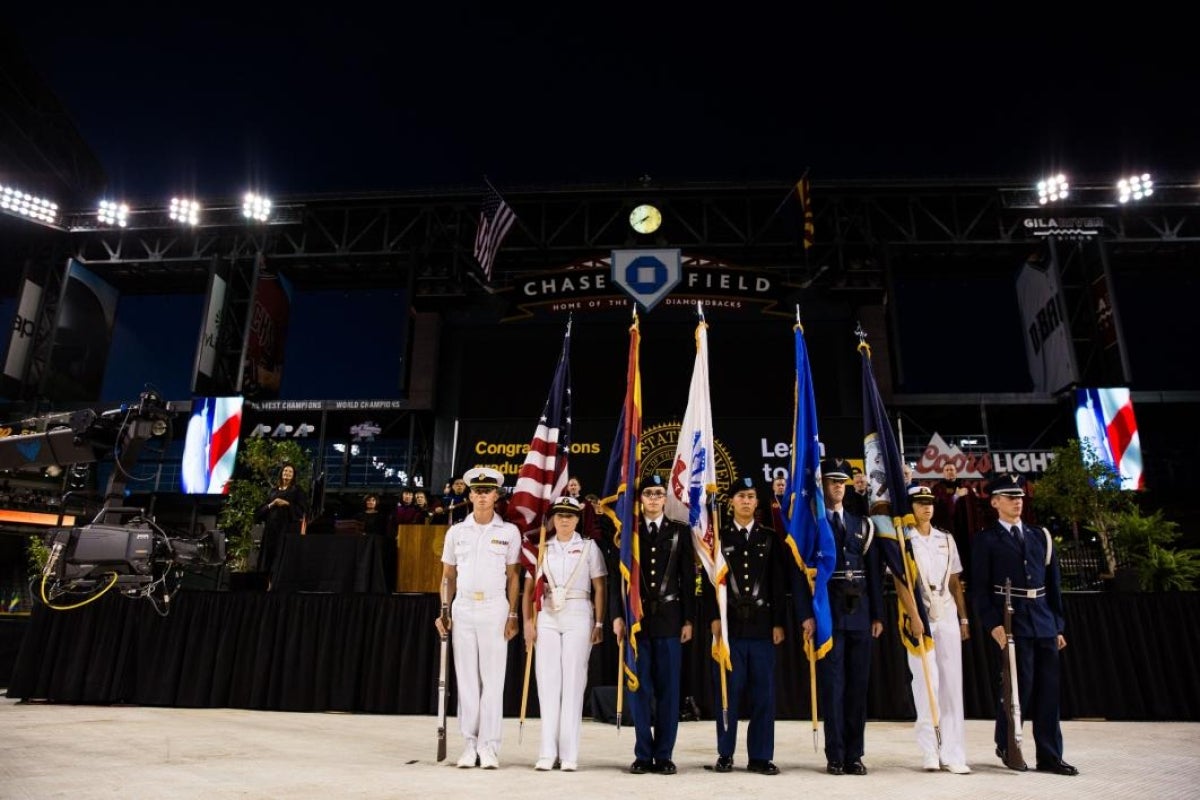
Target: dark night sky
{"x":347,"y":98}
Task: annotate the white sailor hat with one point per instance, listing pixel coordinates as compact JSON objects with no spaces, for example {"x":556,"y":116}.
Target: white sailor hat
{"x":567,"y":505}
{"x":483,"y":478}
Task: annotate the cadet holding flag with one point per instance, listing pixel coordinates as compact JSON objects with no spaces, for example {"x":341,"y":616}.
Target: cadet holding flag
{"x":937,"y":572}
{"x":668,"y":608}
{"x":856,"y":603}
{"x":757,"y":597}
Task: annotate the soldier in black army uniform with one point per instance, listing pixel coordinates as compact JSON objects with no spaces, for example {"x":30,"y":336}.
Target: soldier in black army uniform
{"x":856,"y":604}
{"x":756,"y":612}
{"x":668,"y":610}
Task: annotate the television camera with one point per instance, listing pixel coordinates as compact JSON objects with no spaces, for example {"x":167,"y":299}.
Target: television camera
{"x":122,"y":547}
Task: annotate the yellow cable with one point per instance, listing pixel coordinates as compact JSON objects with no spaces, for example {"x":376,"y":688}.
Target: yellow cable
{"x":95,"y":596}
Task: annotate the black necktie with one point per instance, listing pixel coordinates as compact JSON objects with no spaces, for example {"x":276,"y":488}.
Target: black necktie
{"x":1018,"y":535}
{"x":653,"y":528}
{"x":837,"y":522}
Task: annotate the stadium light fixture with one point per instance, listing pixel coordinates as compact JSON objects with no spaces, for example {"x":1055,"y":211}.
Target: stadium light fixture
{"x":186,"y":212}
{"x":113,"y":213}
{"x":1137,"y":187}
{"x":256,"y":207}
{"x":23,"y":204}
{"x":1051,"y":190}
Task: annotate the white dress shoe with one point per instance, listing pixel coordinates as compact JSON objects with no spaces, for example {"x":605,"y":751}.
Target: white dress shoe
{"x":958,"y":769}
{"x":569,"y":766}
{"x":488,"y":758}
{"x":931,"y":762}
{"x":467,"y":759}
{"x":544,"y":764}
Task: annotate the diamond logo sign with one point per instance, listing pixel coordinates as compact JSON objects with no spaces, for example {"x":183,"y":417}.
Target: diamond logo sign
{"x":647,"y":276}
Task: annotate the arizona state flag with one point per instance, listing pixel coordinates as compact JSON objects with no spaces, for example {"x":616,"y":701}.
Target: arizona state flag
{"x":620,"y":502}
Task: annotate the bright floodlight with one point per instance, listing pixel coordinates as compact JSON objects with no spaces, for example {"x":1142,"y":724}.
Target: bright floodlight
{"x":185,"y":211}
{"x":256,"y":207}
{"x":1051,"y":190}
{"x":111,"y":213}
{"x":1139,"y":187}
{"x":24,"y":204}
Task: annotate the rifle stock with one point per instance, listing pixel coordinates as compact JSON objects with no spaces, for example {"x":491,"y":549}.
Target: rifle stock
{"x":442,"y":670}
{"x":1011,"y":699}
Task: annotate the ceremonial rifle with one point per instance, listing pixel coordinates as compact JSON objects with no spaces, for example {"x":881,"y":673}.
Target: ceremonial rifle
{"x":442,"y":667}
{"x":1011,"y":701}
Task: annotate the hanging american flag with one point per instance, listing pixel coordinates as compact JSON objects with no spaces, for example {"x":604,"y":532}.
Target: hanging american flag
{"x":543,"y":476}
{"x":494,"y":221}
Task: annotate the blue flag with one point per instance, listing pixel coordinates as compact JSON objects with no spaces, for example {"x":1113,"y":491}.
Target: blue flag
{"x":808,"y":533}
{"x":888,"y":501}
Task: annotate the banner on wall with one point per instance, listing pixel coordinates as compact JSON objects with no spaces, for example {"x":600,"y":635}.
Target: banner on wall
{"x":266,"y":336}
{"x":24,"y":325}
{"x":82,"y":336}
{"x":1048,"y":345}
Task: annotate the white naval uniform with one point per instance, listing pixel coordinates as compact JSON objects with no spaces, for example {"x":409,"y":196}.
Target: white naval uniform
{"x":481,"y":554}
{"x":937,"y":559}
{"x":564,"y":641}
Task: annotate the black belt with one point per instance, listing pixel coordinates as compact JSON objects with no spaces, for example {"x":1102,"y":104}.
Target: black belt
{"x":1024,"y":594}
{"x":666,"y":598}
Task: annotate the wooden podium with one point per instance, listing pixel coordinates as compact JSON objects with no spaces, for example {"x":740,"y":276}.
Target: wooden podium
{"x":419,"y":557}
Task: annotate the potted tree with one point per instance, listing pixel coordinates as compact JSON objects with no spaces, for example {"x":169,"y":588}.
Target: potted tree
{"x":1083,"y":491}
{"x":258,"y":464}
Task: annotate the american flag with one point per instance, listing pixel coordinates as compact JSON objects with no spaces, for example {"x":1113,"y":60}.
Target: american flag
{"x":543,"y":476}
{"x":494,"y":221}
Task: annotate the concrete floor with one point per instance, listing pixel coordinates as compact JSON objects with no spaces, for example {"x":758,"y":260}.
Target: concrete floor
{"x":97,"y":752}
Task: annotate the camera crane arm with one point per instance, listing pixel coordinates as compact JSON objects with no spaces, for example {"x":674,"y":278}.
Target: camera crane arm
{"x":85,"y":436}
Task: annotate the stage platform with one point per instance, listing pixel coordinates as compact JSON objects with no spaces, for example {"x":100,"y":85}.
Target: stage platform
{"x":101,"y":751}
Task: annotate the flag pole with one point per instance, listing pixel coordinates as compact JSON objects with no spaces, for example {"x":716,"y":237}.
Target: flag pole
{"x":530,"y":644}
{"x":910,"y":578}
{"x":810,"y":645}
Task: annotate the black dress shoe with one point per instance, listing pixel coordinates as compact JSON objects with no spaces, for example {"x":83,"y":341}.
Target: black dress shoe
{"x":835,"y":768}
{"x":856,"y":768}
{"x":762,"y":767}
{"x":1057,"y":767}
{"x":1003,"y":756}
{"x":640,"y":767}
{"x":665,"y":767}
{"x":724,"y":764}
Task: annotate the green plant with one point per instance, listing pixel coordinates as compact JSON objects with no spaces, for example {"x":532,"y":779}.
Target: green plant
{"x":38,"y":554}
{"x":258,"y":464}
{"x":1143,"y":542}
{"x":1163,"y":570}
{"x":1083,"y":490}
